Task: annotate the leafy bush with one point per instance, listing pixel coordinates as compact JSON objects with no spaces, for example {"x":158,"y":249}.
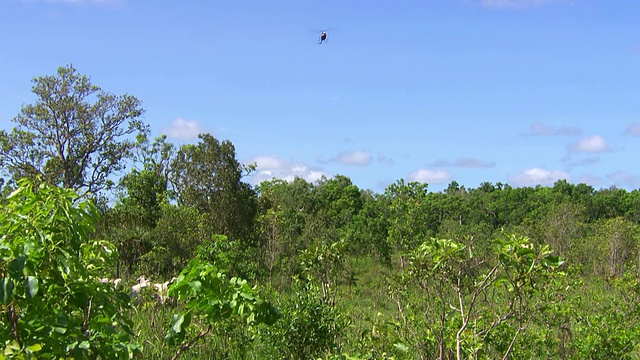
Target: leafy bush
{"x":52,"y":301}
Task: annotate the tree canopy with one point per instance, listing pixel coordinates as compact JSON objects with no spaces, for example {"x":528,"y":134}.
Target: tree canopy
{"x":75,"y":135}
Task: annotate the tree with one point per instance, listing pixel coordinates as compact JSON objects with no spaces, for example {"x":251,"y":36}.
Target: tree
{"x":211,"y":298}
{"x":208,"y":177}
{"x":617,"y":241}
{"x":473,"y":298}
{"x":174,"y":240}
{"x":75,"y":135}
{"x":283,"y":211}
{"x":367,"y":233}
{"x":52,"y":303}
{"x":562,"y":227}
{"x":410,"y":220}
{"x":156,"y":156}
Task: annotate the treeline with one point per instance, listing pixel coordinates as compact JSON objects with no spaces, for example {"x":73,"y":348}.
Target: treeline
{"x":303,"y":270}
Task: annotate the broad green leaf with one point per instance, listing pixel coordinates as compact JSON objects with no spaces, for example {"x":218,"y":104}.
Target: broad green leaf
{"x":176,"y":332}
{"x":32,"y":286}
{"x":247,"y":295}
{"x":402,"y":347}
{"x":524,"y":251}
{"x":6,"y":290}
{"x":178,"y":321}
{"x":553,"y":261}
{"x":16,"y":266}
{"x":196,"y":286}
{"x":34,"y":348}
{"x":16,"y":192}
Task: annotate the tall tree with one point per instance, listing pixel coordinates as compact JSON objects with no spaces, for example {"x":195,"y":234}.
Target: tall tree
{"x":75,"y":135}
{"x":208,"y":177}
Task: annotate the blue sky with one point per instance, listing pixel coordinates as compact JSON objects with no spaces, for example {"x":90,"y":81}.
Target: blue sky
{"x":523,"y":92}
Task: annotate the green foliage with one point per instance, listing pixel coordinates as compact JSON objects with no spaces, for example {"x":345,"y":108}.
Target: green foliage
{"x":617,"y":239}
{"x":367,"y":232}
{"x":467,"y":290}
{"x":603,"y":319}
{"x":156,"y":156}
{"x":309,"y":328}
{"x":324,"y":264}
{"x":52,"y":302}
{"x":408,"y":212}
{"x":207,"y":176}
{"x":178,"y":233}
{"x":130,"y":223}
{"x":145,"y":191}
{"x":212,"y":298}
{"x":75,"y":135}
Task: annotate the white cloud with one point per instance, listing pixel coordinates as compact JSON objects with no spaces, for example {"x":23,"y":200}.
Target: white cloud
{"x":633,"y":130}
{"x":538,"y":176}
{"x":625,"y":179}
{"x":591,"y":144}
{"x":182,"y":129}
{"x":430,"y":176}
{"x":583,"y":162}
{"x":357,"y":157}
{"x":540,"y":129}
{"x":518,"y":3}
{"x":473,"y":163}
{"x":270,"y":167}
{"x":465,"y":162}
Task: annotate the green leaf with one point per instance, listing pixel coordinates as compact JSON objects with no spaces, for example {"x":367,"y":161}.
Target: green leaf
{"x":176,"y":332}
{"x":524,"y":252}
{"x":12,"y":347}
{"x":34,"y":348}
{"x":552,"y":261}
{"x":178,"y":321}
{"x":32,"y":286}
{"x":16,"y":266}
{"x":402,"y":347}
{"x":196,"y":286}
{"x":16,"y":192}
{"x":247,"y":295}
{"x":6,"y":290}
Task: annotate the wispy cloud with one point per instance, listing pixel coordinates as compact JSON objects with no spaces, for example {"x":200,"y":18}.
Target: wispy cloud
{"x":582,"y":162}
{"x":430,"y":176}
{"x":273,"y":167}
{"x":519,"y":4}
{"x":624,"y":179}
{"x":633,"y":130}
{"x":385,"y":160}
{"x":354,"y":157}
{"x":591,"y":144}
{"x":540,"y":129}
{"x":590,"y":179}
{"x":182,"y":129}
{"x":465,"y":162}
{"x":357,"y":157}
{"x":538,"y":176}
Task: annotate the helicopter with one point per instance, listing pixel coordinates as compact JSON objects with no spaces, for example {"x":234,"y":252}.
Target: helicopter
{"x":323,"y":37}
